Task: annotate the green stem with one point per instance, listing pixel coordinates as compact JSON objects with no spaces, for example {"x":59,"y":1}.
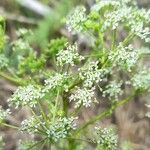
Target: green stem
{"x":10,"y":126}
{"x":113,"y":40}
{"x":36,"y":144}
{"x":11,"y":79}
{"x":128,"y":39}
{"x":104,"y":114}
{"x":56,"y":104}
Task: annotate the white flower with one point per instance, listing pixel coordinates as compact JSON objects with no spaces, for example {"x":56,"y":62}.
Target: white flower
{"x":60,"y":128}
{"x":3,"y":113}
{"x":114,"y":18}
{"x":69,"y":55}
{"x":104,"y":3}
{"x":125,"y":57}
{"x":26,"y":96}
{"x":141,"y":80}
{"x":83,"y":96}
{"x":139,"y":30}
{"x":106,"y":138}
{"x":57,"y":80}
{"x":75,"y":19}
{"x":91,"y":74}
{"x":32,"y":125}
{"x":113,"y":90}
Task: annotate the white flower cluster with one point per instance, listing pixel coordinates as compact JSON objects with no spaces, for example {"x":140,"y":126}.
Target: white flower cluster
{"x":142,"y":14}
{"x":125,"y":57}
{"x":104,"y":3}
{"x":115,"y":17}
{"x":3,"y":113}
{"x":60,"y":128}
{"x":58,"y":80}
{"x":91,"y":74}
{"x":21,"y":45}
{"x":141,"y":80}
{"x":83,"y":96}
{"x":139,"y":30}
{"x":32,"y":125}
{"x":26,"y":96}
{"x":113,"y":90}
{"x":69,"y":56}
{"x":75,"y":19}
{"x":106,"y":138}
{"x":3,"y":61}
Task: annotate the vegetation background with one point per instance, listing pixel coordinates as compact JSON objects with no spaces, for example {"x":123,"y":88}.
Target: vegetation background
{"x":133,"y":126}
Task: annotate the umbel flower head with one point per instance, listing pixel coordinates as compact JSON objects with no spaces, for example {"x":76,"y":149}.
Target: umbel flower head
{"x":32,"y":124}
{"x":69,"y":55}
{"x":113,"y":90}
{"x":103,"y":3}
{"x":60,"y":128}
{"x":3,"y":113}
{"x":141,"y":80}
{"x":75,"y":19}
{"x":124,"y":57}
{"x":83,"y":96}
{"x":91,"y":74}
{"x":57,"y":80}
{"x":26,"y":96}
{"x":106,"y":138}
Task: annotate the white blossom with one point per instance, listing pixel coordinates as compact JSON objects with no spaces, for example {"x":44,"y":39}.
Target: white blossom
{"x":75,"y":19}
{"x":106,"y":138}
{"x":139,"y":30}
{"x":4,"y":113}
{"x":113,"y":90}
{"x":92,"y":74}
{"x":26,"y":96}
{"x":114,"y":18}
{"x":69,"y":56}
{"x":83,"y":96}
{"x":60,"y":128}
{"x":32,"y":124}
{"x":104,"y":3}
{"x":141,"y":80}
{"x":57,"y":80}
{"x":125,"y":57}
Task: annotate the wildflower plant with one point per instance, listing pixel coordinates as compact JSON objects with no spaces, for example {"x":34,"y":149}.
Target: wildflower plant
{"x":60,"y":82}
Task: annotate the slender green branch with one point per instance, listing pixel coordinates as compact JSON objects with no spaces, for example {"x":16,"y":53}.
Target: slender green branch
{"x":10,"y":126}
{"x":11,"y":79}
{"x":37,"y":143}
{"x":104,"y":114}
{"x":113,"y":40}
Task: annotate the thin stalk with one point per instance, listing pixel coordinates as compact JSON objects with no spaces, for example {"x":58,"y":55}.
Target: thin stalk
{"x":10,"y":126}
{"x":11,"y":79}
{"x":43,"y":113}
{"x":56,"y":104}
{"x":36,"y":144}
{"x":104,"y":114}
{"x":113,"y":40}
